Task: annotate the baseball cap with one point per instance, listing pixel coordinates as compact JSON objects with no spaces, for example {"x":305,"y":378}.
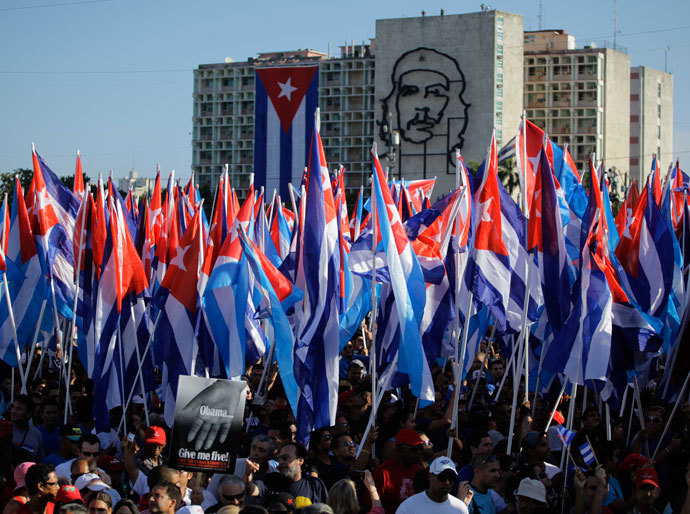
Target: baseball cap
{"x":191,"y":509}
{"x":558,"y":418}
{"x":636,"y":460}
{"x":68,"y":494}
{"x":358,"y":363}
{"x":282,"y":502}
{"x":409,"y":437}
{"x":478,"y":374}
{"x":532,"y":488}
{"x":440,"y":464}
{"x":90,"y":481}
{"x":71,"y":432}
{"x":155,"y":435}
{"x":646,"y":476}
{"x":20,"y":474}
{"x":110,"y":464}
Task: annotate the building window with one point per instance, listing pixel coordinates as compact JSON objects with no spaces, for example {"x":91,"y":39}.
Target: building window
{"x":634,"y":140}
{"x":634,"y":118}
{"x":634,"y":161}
{"x":634,"y":97}
{"x":658,"y":90}
{"x":658,"y":110}
{"x":634,"y":76}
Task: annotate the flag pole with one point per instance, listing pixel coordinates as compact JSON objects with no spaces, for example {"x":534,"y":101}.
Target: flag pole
{"x":505,"y":375}
{"x":673,"y":413}
{"x":571,"y":414}
{"x":122,"y":371}
{"x":139,"y":371}
{"x":85,"y":206}
{"x":486,"y":357}
{"x":639,"y":408}
{"x":22,"y":375}
{"x":555,"y":406}
{"x":33,"y":344}
{"x":141,"y":363}
{"x":374,"y":298}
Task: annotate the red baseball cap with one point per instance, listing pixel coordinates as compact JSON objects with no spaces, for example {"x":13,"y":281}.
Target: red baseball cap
{"x":633,"y":460}
{"x":558,"y":417}
{"x":646,"y":476}
{"x":408,"y":436}
{"x":155,"y":435}
{"x":68,"y":494}
{"x":110,"y":464}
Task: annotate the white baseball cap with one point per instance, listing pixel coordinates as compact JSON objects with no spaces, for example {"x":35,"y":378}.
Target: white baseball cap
{"x":532,"y":488}
{"x":440,"y":464}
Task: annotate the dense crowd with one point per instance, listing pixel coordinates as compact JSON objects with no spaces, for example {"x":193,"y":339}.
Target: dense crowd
{"x":400,"y":465}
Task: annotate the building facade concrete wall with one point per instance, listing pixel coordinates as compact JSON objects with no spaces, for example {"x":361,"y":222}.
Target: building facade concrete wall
{"x":651,"y":120}
{"x":616,"y":137}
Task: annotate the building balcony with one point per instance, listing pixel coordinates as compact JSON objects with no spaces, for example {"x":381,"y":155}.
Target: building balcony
{"x":560,"y":129}
{"x":540,"y":103}
{"x":537,"y":77}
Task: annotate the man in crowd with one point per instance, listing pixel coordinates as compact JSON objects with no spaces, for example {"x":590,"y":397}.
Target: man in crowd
{"x":89,"y":447}
{"x":487,"y":473}
{"x":230,"y":492}
{"x":42,"y":486}
{"x":151,"y":455}
{"x":394,"y":477}
{"x":25,"y":435}
{"x":69,"y":449}
{"x":437,"y":498}
{"x":50,"y":431}
{"x":165,"y":498}
{"x":290,"y":479}
{"x":260,"y":452}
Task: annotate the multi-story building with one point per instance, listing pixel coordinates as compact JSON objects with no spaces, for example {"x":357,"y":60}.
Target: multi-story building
{"x":139,"y":185}
{"x":579,"y":96}
{"x":422,"y":88}
{"x":651,"y":120}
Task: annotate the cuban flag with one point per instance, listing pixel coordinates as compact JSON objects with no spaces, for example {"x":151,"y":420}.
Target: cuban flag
{"x":565,"y":435}
{"x":408,"y":288}
{"x":284,"y":111}
{"x":587,"y":453}
{"x":316,"y":330}
{"x":491,"y":274}
{"x":78,"y":186}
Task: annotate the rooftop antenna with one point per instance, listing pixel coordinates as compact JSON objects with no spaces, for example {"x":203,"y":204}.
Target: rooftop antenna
{"x":614,"y":25}
{"x":541,"y":14}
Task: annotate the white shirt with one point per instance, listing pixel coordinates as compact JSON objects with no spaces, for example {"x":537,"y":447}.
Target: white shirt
{"x":141,"y":487}
{"x":421,"y":503}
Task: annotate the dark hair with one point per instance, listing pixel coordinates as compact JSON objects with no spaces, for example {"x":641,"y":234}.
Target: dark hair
{"x":495,"y":361}
{"x":50,"y":402}
{"x":172,"y":491}
{"x":37,"y":474}
{"x":335,"y":442}
{"x":74,"y":507}
{"x":475,"y":438}
{"x":90,"y":439}
{"x":253,"y":509}
{"x":100,"y":496}
{"x":420,"y":481}
{"x":26,"y":401}
{"x":129,"y":504}
{"x":91,"y":463}
{"x":300,"y":450}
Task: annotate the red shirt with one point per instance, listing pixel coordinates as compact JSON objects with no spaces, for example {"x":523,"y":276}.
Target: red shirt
{"x":394,"y":483}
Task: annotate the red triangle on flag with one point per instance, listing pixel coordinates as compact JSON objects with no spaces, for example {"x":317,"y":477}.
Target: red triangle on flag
{"x":286,"y":88}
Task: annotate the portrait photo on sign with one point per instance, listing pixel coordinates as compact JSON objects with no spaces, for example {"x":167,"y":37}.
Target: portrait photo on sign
{"x":208,"y":417}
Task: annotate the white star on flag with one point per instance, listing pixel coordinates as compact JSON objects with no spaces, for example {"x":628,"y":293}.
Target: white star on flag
{"x":483,"y":207}
{"x":178,"y":260}
{"x":286,"y":88}
{"x":628,"y":223}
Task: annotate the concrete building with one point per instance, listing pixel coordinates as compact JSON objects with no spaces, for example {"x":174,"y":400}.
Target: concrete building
{"x":139,"y":185}
{"x":470,"y":80}
{"x":651,"y":120}
{"x":581,"y":97}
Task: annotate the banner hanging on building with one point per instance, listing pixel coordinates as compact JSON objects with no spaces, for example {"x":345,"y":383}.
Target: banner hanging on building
{"x":208,"y":419}
{"x":285,"y":103}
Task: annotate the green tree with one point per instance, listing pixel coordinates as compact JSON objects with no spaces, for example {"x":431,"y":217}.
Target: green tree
{"x":7,"y":181}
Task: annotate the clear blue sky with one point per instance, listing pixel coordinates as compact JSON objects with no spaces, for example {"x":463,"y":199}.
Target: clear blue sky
{"x":113,"y":78}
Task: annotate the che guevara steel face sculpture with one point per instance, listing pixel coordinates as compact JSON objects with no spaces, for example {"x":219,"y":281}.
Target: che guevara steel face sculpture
{"x":425,"y":103}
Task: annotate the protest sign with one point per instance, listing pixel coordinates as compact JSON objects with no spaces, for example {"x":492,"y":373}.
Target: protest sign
{"x":208,"y":417}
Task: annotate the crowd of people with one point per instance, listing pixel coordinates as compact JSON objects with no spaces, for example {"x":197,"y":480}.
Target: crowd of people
{"x":410,"y":460}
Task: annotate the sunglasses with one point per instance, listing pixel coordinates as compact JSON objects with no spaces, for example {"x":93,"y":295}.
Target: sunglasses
{"x":285,"y":457}
{"x":653,"y":419}
{"x":51,"y":484}
{"x":446,"y":477}
{"x":233,"y":497}
{"x":347,"y":444}
{"x":91,"y":454}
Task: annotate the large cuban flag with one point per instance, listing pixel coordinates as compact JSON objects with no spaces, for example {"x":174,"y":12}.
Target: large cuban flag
{"x":285,"y":103}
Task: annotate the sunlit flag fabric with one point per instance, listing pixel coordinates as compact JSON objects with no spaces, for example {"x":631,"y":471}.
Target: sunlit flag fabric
{"x":78,"y":186}
{"x":490,"y":274}
{"x":317,"y":325}
{"x":407,"y":284}
{"x":53,"y":211}
{"x":29,"y":289}
{"x":176,"y":328}
{"x":285,"y":102}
